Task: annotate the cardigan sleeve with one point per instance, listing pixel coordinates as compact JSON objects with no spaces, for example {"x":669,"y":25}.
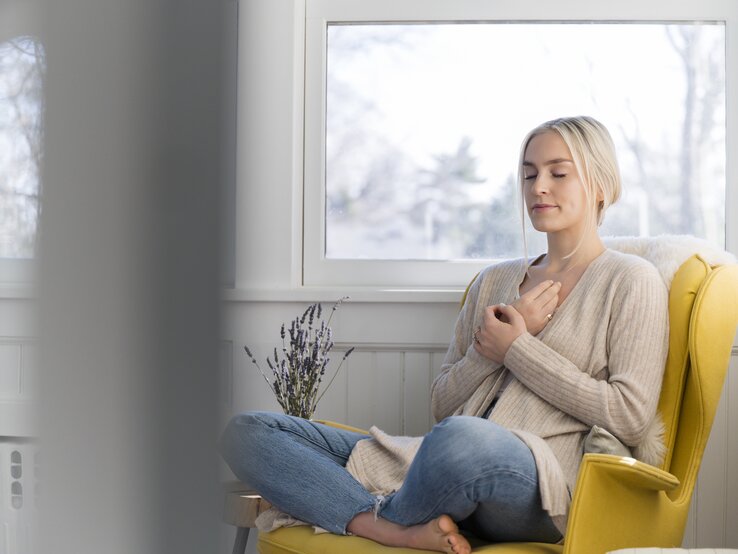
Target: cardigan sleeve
{"x":463,"y":369}
{"x":638,"y":334}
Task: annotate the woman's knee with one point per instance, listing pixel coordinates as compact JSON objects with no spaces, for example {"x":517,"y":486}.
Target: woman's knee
{"x":454,"y":440}
{"x":467,"y":440}
{"x":242,"y":429}
{"x":459,"y":430}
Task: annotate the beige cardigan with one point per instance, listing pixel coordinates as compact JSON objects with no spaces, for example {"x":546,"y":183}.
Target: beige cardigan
{"x":599,"y":361}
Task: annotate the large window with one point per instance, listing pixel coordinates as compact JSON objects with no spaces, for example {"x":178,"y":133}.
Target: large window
{"x":413,"y":122}
{"x":424,"y":123}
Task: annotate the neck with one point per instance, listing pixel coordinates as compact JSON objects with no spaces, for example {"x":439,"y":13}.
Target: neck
{"x":559,"y":247}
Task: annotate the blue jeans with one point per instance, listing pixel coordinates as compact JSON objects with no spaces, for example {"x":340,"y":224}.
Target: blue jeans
{"x":470,"y":468}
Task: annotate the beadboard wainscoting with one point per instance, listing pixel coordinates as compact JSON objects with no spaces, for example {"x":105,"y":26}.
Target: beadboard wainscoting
{"x":396,"y":377}
{"x":18,"y":362}
{"x":386,"y":382}
{"x":18,"y":427}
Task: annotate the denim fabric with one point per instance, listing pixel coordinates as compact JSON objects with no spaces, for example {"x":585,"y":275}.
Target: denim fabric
{"x":470,"y":468}
{"x":298,"y":466}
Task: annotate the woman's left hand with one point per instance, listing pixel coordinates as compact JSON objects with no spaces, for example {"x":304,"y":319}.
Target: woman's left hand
{"x":501,"y":325}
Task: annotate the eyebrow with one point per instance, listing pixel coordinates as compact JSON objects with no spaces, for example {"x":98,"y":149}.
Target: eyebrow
{"x":549,"y":162}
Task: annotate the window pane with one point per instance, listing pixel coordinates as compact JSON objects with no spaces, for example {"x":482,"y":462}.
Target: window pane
{"x":21,"y":75}
{"x":424,"y":123}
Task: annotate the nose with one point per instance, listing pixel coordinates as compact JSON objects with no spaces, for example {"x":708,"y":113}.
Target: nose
{"x":540,"y":185}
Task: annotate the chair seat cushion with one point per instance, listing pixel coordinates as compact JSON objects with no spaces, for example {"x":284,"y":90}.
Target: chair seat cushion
{"x":302,"y":540}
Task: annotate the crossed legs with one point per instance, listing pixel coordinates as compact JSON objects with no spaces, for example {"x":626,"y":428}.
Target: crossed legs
{"x":467,"y":470}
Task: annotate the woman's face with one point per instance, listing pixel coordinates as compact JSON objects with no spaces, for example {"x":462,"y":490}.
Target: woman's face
{"x":554,"y":195}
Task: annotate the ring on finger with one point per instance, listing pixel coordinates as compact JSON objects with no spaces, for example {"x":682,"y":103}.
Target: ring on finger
{"x":476,"y":338}
{"x":549,"y":316}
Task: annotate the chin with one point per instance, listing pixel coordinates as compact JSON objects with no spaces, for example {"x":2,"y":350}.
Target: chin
{"x":541,"y":226}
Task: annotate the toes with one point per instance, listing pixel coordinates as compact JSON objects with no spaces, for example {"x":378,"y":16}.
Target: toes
{"x":459,"y":544}
{"x":456,"y":542}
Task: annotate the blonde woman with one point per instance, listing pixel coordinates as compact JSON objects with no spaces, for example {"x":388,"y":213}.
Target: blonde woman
{"x":542,"y":351}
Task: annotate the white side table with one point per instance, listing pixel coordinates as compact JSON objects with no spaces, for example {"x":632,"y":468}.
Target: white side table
{"x":241,"y":508}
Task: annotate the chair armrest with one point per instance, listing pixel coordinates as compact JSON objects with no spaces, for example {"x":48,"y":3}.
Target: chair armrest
{"x":630,"y":470}
{"x":620,"y":502}
{"x":341,"y":426}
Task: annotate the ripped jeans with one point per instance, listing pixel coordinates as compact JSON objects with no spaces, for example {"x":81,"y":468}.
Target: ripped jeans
{"x":470,"y":468}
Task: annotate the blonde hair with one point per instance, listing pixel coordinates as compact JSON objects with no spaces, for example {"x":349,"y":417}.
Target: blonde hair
{"x":594,"y":157}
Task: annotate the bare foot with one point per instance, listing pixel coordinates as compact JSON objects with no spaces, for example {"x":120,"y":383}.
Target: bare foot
{"x":440,"y":534}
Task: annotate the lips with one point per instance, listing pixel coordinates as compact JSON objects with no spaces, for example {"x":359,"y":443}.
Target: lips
{"x":543,"y":207}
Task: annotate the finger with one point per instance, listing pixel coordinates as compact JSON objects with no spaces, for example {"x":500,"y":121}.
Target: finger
{"x":480,"y":349}
{"x":477,"y":335}
{"x":550,"y":292}
{"x":487,"y":318}
{"x":550,"y":305}
{"x":492,"y":315}
{"x":511,"y":313}
{"x":539,"y":289}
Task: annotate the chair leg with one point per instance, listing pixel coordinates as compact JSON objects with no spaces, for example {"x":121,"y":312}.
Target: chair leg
{"x":242,"y":539}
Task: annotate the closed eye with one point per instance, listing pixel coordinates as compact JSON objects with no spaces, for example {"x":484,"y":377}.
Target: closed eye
{"x":529,"y":177}
{"x":559,"y":175}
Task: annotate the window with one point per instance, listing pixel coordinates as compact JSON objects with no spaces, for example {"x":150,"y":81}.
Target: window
{"x":21,"y":151}
{"x":414,"y":113}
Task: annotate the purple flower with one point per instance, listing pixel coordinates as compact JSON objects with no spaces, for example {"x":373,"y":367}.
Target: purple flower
{"x":298,"y":371}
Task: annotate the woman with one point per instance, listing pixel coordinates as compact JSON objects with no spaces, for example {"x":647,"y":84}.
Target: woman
{"x":542,"y":352}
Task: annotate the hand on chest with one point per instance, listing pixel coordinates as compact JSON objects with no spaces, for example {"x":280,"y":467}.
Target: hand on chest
{"x":567,"y":280}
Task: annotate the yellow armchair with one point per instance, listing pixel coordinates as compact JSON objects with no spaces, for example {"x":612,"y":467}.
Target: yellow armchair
{"x":620,"y":502}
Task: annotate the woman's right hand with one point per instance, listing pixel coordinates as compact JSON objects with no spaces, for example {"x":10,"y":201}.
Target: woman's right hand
{"x":536,"y":305}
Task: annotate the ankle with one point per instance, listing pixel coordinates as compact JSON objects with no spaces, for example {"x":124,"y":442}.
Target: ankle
{"x":357,"y":524}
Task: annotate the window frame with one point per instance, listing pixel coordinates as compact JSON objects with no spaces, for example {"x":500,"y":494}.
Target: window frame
{"x":319,"y":271}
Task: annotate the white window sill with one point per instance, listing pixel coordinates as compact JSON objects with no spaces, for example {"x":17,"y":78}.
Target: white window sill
{"x":356,"y":294}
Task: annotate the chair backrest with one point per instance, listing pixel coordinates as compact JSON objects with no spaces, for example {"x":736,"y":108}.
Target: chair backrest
{"x":703,"y":312}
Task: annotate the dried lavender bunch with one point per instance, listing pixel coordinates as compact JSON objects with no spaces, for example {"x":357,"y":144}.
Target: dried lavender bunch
{"x":298,"y":371}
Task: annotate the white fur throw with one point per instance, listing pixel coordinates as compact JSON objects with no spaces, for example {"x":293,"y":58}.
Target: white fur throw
{"x":668,"y":252}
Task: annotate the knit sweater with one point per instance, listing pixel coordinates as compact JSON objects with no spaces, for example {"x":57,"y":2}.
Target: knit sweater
{"x":599,"y":361}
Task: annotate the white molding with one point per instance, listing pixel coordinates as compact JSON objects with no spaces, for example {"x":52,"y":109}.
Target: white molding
{"x":731,"y":135}
{"x":426,"y":348}
{"x":298,"y":145}
{"x":269,"y":143}
{"x":524,"y":10}
{"x":331,"y":294}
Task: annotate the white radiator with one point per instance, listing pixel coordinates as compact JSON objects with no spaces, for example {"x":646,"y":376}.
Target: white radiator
{"x":19,"y":493}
